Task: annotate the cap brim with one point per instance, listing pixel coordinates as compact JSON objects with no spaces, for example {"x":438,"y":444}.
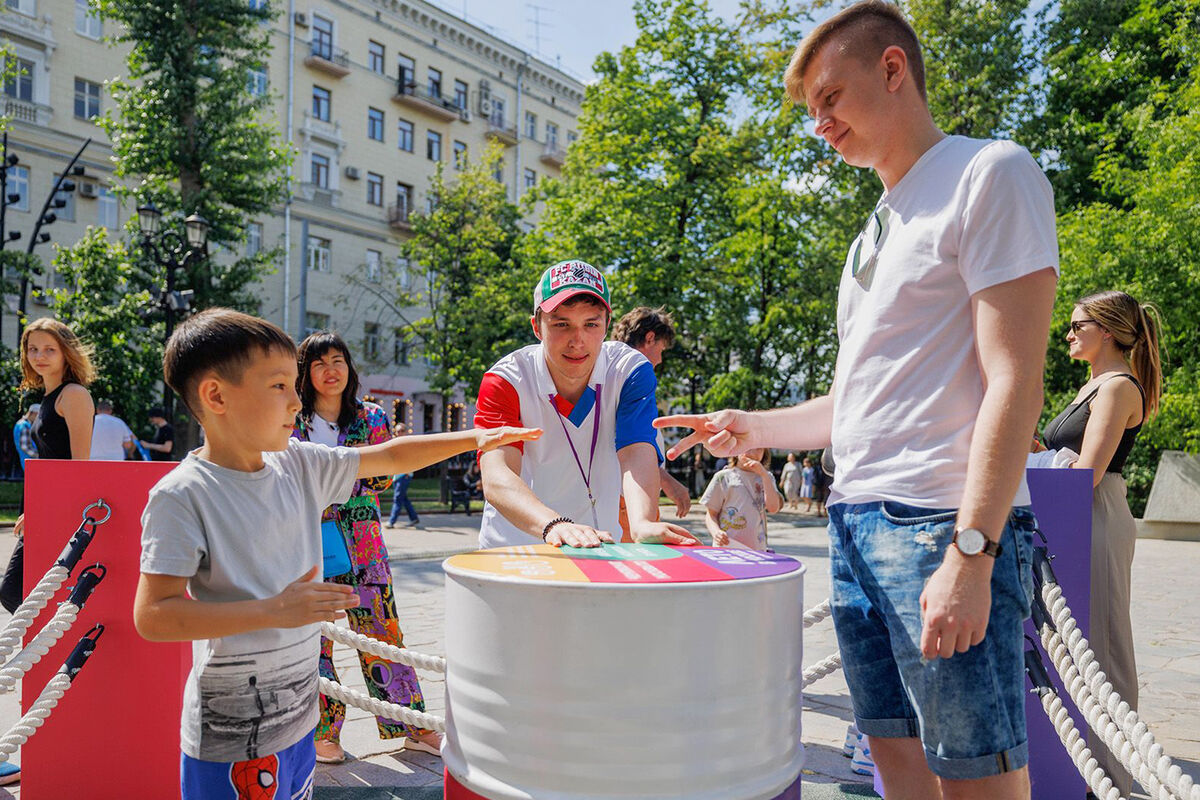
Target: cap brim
{"x":557,"y":300}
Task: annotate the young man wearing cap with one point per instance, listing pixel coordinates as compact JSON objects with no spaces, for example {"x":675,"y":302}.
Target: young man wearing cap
{"x":595,"y":401}
{"x":23,"y":435}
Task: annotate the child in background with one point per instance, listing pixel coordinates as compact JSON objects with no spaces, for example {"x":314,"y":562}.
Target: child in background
{"x":231,"y":553}
{"x":807,"y":477}
{"x":738,"y":500}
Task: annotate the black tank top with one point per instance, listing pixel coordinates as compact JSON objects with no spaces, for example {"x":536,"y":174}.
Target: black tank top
{"x":50,"y":432}
{"x":1066,"y":430}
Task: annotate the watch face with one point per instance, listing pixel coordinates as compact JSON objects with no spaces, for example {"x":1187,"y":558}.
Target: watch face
{"x":970,"y":541}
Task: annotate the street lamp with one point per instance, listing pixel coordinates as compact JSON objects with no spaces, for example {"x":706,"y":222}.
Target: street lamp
{"x":171,"y":251}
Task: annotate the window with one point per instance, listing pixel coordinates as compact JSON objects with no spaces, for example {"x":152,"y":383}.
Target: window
{"x":371,"y":340}
{"x":530,"y":179}
{"x":257,"y":5}
{"x":375,"y":124}
{"x":320,"y":170}
{"x":87,"y":23}
{"x":403,"y":273}
{"x":404,"y":200}
{"x":551,"y":135}
{"x":460,"y":155}
{"x":498,"y":172}
{"x":400,"y":349}
{"x":107,"y":209}
{"x":321,"y":101}
{"x":322,"y":37}
{"x":435,"y":82}
{"x":572,"y":137}
{"x":87,"y":99}
{"x":404,"y":135}
{"x":431,"y":203}
{"x":460,"y":95}
{"x":530,"y":125}
{"x":314,"y":322}
{"x":375,"y":57}
{"x":433,"y":145}
{"x":18,"y":184}
{"x":497,"y":112}
{"x":374,"y":266}
{"x":319,"y":254}
{"x":19,"y":85}
{"x":67,"y":212}
{"x":27,"y":7}
{"x":257,"y":81}
{"x":374,"y":189}
{"x":253,"y":239}
{"x":407,"y":70}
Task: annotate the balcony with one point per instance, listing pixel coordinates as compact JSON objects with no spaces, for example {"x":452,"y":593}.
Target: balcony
{"x":328,"y":59}
{"x":319,"y":195}
{"x":328,"y":132}
{"x":398,"y":216}
{"x":420,"y":98}
{"x":553,"y":155}
{"x":27,"y":111}
{"x":497,"y":130}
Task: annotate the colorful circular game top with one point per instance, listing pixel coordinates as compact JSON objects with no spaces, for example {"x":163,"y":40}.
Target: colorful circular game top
{"x":621,"y":563}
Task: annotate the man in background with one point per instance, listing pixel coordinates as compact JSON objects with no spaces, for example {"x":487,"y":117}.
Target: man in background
{"x":112,"y":440}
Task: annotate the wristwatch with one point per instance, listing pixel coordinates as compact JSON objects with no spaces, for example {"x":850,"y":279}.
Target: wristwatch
{"x":972,"y":542}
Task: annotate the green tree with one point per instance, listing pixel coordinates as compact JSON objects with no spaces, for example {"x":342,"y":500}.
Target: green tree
{"x":188,"y":130}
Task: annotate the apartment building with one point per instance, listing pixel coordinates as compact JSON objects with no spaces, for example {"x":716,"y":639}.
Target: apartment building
{"x":373,"y":95}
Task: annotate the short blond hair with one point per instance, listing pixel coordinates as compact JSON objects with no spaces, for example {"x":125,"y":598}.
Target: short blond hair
{"x":77,"y":356}
{"x":864,"y":29}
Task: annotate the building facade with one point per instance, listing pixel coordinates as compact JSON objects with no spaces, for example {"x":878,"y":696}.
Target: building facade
{"x":372,"y":94}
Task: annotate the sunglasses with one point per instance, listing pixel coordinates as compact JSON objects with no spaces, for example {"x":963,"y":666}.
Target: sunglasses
{"x":1077,"y":325}
{"x":863,"y":268}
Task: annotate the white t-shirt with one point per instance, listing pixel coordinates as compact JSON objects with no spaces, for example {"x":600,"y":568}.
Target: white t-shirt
{"x":739,"y":500}
{"x":968,"y":215}
{"x":109,"y":435}
{"x":518,"y":390}
{"x":246,"y":536}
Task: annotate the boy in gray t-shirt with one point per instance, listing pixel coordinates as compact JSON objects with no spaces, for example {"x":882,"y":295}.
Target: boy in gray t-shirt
{"x":231,"y":552}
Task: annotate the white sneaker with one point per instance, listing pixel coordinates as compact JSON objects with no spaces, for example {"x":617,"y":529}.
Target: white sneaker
{"x":851,"y":740}
{"x":862,"y":763}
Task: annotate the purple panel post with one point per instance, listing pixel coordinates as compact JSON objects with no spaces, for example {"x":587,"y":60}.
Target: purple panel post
{"x":1062,"y":501}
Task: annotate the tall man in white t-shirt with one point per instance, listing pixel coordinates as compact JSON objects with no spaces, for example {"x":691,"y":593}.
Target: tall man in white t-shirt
{"x":595,"y":403}
{"x":943,"y":315}
{"x":111,"y":438}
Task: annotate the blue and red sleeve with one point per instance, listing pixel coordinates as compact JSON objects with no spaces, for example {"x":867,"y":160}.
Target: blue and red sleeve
{"x":637,"y":409}
{"x":498,"y":405}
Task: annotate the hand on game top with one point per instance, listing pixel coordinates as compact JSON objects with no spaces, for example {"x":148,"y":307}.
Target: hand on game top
{"x":576,"y":535}
{"x":720,"y":539}
{"x":661,"y":533}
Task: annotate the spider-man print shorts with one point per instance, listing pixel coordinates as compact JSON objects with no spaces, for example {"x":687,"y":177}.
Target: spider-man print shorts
{"x":286,"y":775}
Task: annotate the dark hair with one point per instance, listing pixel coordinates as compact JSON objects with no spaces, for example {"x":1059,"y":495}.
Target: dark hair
{"x":104,"y":405}
{"x":218,"y":340}
{"x":156,"y":411}
{"x":864,"y":30}
{"x":313,"y":348}
{"x":633,"y":327}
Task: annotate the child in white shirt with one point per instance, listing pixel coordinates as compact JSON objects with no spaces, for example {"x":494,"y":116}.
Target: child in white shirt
{"x":738,"y":500}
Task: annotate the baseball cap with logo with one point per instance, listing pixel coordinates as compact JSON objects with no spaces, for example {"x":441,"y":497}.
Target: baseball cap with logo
{"x":568,"y":279}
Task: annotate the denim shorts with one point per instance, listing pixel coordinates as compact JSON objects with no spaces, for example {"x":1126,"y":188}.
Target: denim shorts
{"x":968,"y":710}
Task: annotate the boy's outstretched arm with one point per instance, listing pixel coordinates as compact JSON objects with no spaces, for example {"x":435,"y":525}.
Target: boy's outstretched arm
{"x":163,"y":612}
{"x":411,"y":453}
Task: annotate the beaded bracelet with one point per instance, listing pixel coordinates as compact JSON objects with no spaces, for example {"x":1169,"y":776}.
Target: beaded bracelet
{"x":550,"y":525}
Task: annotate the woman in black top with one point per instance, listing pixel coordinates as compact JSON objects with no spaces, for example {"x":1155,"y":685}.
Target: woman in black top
{"x":54,"y":360}
{"x":1118,"y":337}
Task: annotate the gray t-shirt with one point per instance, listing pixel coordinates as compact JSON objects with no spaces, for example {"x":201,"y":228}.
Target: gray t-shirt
{"x":246,"y":536}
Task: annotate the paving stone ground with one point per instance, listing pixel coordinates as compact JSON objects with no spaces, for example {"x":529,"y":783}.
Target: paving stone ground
{"x":1166,"y":613}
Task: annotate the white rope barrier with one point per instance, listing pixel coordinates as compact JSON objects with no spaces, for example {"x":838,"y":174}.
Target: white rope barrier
{"x":380,"y":708}
{"x":1093,"y":774}
{"x":46,"y":588}
{"x":824,"y":667}
{"x":398,"y":655}
{"x":1092,"y":679}
{"x":817,"y":613}
{"x":53,"y":630}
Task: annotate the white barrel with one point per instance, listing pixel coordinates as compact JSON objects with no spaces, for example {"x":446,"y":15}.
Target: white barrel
{"x":635,"y":671}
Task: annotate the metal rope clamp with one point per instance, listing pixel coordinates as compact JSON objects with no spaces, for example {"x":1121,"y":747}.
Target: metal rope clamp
{"x":88,"y":579}
{"x":82,"y":652}
{"x":82,"y":537}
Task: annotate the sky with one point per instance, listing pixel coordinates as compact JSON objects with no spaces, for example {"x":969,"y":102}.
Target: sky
{"x":572,"y":32}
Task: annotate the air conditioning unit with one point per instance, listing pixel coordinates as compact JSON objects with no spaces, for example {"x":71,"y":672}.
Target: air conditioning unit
{"x":89,"y":190}
{"x":352,"y":173}
{"x":301,"y":19}
{"x":485,"y":106}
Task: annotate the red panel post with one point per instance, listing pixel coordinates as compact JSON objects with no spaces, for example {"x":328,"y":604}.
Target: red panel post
{"x":115,"y":734}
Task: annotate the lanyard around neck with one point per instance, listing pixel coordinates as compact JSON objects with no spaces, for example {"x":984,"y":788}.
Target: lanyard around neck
{"x":586,"y":476}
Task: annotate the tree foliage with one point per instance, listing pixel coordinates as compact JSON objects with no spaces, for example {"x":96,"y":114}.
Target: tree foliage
{"x":188,"y":131}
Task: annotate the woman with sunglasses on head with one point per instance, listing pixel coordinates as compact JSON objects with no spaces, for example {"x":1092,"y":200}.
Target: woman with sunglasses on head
{"x":1118,"y":337}
{"x":331,"y":414}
